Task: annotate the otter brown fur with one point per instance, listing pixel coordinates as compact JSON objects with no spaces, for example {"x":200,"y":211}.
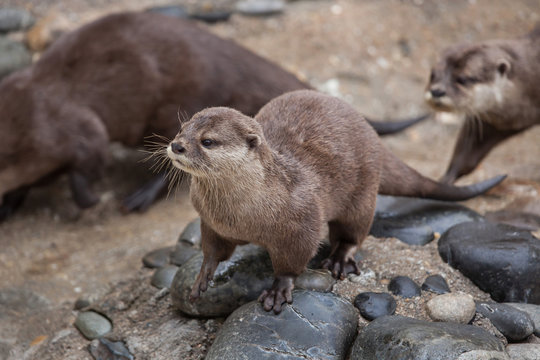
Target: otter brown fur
{"x":305,"y":160}
{"x":122,"y":78}
{"x":496,"y":86}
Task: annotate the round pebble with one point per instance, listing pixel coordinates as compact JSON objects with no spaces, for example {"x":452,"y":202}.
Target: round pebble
{"x":454,"y":307}
{"x":164,"y":276}
{"x":92,"y":325}
{"x":404,"y":286}
{"x":373,"y":305}
{"x":315,"y":280}
{"x":436,"y":284}
{"x":260,"y":7}
{"x":192,"y":233}
{"x":514,"y":324}
{"x":182,"y":253}
{"x":157,"y":258}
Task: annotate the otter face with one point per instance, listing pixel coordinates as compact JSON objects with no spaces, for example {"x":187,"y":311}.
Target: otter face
{"x":471,"y":79}
{"x":215,"y":142}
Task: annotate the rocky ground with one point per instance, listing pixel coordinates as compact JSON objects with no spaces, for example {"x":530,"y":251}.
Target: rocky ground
{"x":375,"y":54}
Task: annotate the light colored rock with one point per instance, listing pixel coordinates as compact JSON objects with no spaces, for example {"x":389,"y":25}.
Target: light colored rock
{"x":454,"y":307}
{"x":524,"y":351}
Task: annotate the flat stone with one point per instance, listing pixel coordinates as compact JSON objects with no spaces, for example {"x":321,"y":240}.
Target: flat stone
{"x":182,"y":253}
{"x":398,"y":337}
{"x":12,"y":19}
{"x":523,"y":351}
{"x":103,"y":349}
{"x":533,"y":311}
{"x":177,"y":11}
{"x":164,"y":276}
{"x":415,"y":221}
{"x":404,"y":286}
{"x":315,"y":280}
{"x":436,"y":284}
{"x":260,"y":7}
{"x":454,"y":307}
{"x":373,"y":305}
{"x":13,"y":56}
{"x":192,"y":233}
{"x":157,"y":258}
{"x":514,"y":324}
{"x":500,"y":259}
{"x":315,"y":326}
{"x":92,"y":325}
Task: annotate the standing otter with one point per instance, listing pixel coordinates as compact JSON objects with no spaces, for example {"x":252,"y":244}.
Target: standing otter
{"x":122,"y":78}
{"x":306,"y":160}
{"x":496,"y":85}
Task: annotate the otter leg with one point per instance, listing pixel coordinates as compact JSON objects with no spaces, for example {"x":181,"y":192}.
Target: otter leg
{"x":344,"y":240}
{"x":145,"y":196}
{"x":215,"y":249}
{"x":82,"y":193}
{"x":475,"y":140}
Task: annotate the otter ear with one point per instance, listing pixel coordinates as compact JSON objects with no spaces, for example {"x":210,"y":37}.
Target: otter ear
{"x":503,"y":66}
{"x":253,"y":140}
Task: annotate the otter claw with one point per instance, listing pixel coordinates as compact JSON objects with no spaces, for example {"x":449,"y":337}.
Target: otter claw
{"x":340,"y":268}
{"x":279,"y":294}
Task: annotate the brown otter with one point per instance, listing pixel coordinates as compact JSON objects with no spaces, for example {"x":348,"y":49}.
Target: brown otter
{"x":305,"y":160}
{"x":121,"y":78}
{"x":496,"y":86}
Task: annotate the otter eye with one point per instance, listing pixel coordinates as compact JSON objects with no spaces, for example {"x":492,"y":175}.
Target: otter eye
{"x":464,"y":80}
{"x":207,"y":143}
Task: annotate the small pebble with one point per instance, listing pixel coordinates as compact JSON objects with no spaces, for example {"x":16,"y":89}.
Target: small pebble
{"x":12,"y":19}
{"x":157,"y":258}
{"x":182,"y":253}
{"x":373,"y":305}
{"x":404,"y":286}
{"x":164,"y":276}
{"x":436,"y":284}
{"x":192,"y":233}
{"x":454,"y":307}
{"x":81,"y":303}
{"x":260,"y":7}
{"x":103,"y":349}
{"x":515,"y":324}
{"x":315,"y":280}
{"x":92,"y":325}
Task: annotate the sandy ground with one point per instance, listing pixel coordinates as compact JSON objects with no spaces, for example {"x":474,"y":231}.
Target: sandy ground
{"x":375,"y":54}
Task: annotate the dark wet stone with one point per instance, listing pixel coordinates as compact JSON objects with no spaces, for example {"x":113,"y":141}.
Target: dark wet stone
{"x":260,"y":7}
{"x":157,"y":258}
{"x":436,"y":284}
{"x":210,"y":14}
{"x":519,"y":219}
{"x":404,"y":286}
{"x":533,"y":311}
{"x":12,"y":19}
{"x":315,"y":280}
{"x":92,"y":325}
{"x":182,"y":253}
{"x":414,"y":221}
{"x":81,"y":303}
{"x":236,"y":281}
{"x":13,"y":56}
{"x":315,"y":326}
{"x":499,"y":259}
{"x":103,"y":349}
{"x":164,"y":276}
{"x":373,"y":305}
{"x":514,"y":324}
{"x":192,"y":233}
{"x":398,"y":337}
{"x":176,"y":11}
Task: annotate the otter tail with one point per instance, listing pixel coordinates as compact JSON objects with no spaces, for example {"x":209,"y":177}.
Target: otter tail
{"x":391,"y":127}
{"x":399,"y":179}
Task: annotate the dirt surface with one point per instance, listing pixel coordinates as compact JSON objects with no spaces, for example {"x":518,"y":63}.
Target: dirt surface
{"x":375,"y":54}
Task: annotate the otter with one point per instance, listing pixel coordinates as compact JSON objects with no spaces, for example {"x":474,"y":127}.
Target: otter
{"x":305,"y":160}
{"x":495,"y":85}
{"x":122,"y":78}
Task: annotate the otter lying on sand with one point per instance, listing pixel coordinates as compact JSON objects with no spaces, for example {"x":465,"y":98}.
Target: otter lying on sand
{"x":121,"y":78}
{"x":496,"y":85}
{"x":305,"y":160}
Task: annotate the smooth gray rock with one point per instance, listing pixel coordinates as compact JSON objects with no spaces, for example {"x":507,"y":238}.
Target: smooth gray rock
{"x":315,"y":280}
{"x":192,"y":233}
{"x":514,"y":324}
{"x":103,"y":349}
{"x":13,"y":56}
{"x":157,"y":258}
{"x":92,"y":325}
{"x":454,"y":307}
{"x":533,"y":311}
{"x":398,"y":337}
{"x":373,"y":305}
{"x":177,"y":11}
{"x":12,"y":19}
{"x":260,"y":7}
{"x":414,"y":221}
{"x":163,"y":277}
{"x":404,"y":286}
{"x":315,"y":326}
{"x":436,"y":284}
{"x":524,"y":351}
{"x":499,"y":259}
{"x":182,"y":253}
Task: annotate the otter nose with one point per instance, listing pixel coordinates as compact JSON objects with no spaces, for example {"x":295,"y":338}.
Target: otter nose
{"x":177,"y":148}
{"x":436,"y":93}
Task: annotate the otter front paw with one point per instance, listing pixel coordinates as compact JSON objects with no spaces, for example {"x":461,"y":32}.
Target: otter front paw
{"x":340,"y":267}
{"x":201,"y":283}
{"x":278,"y":294}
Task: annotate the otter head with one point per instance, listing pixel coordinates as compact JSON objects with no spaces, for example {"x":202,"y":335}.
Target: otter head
{"x":216,"y":142}
{"x":471,"y":79}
